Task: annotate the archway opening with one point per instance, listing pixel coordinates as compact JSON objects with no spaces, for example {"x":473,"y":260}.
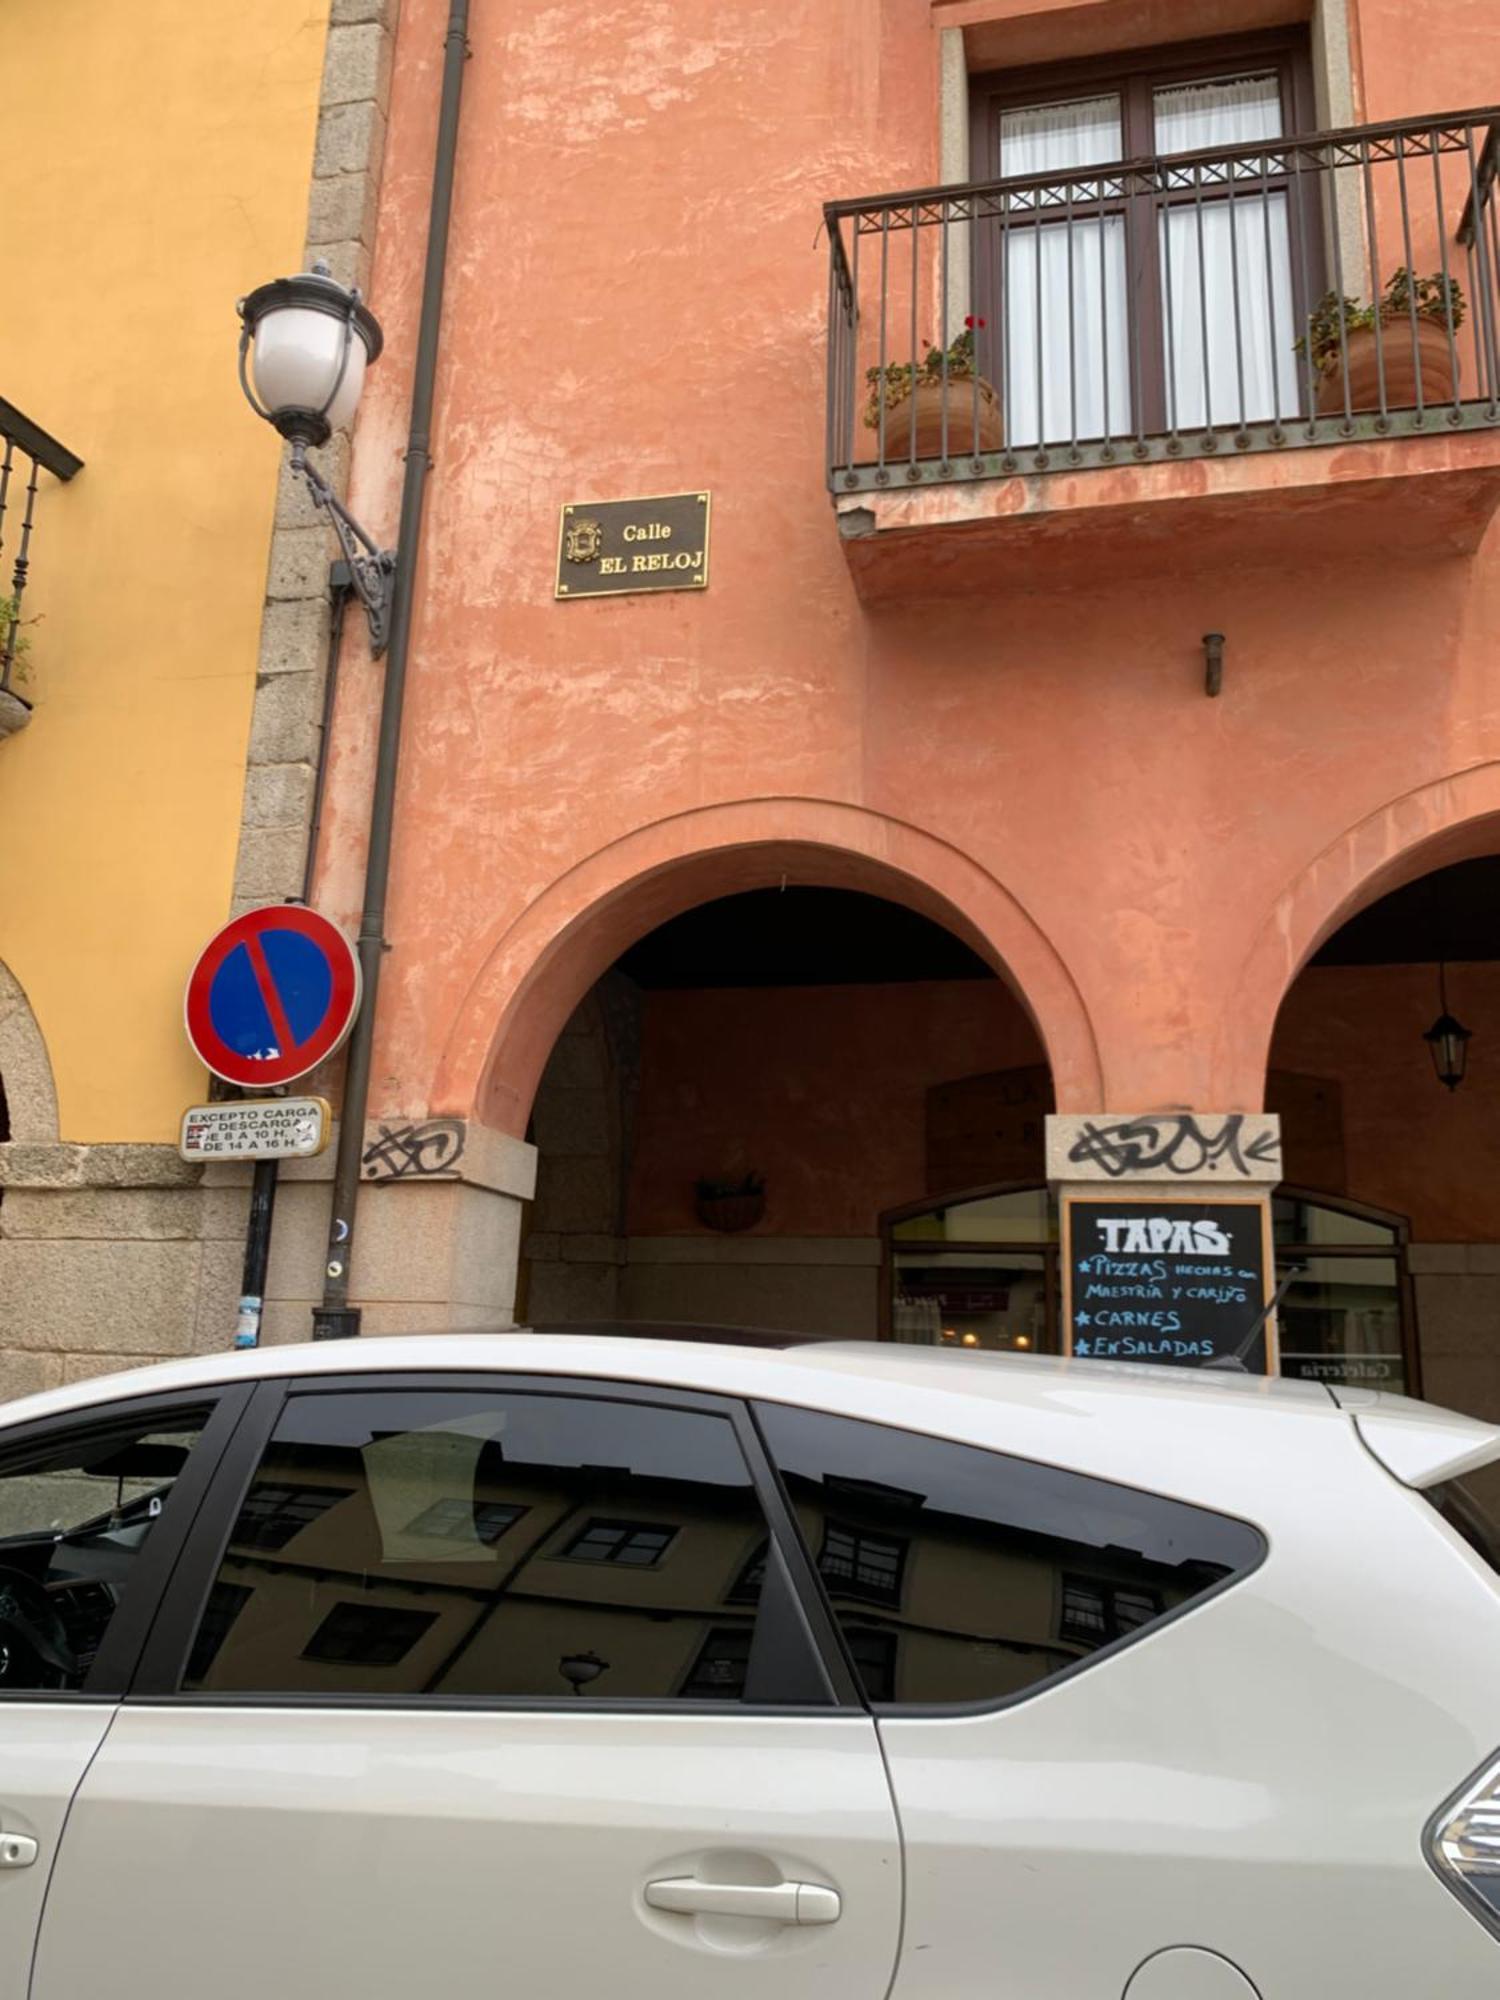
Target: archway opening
{"x":1396,"y":1219}
{"x":744,"y":1095}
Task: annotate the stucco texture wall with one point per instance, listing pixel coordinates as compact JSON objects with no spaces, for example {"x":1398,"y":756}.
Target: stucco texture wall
{"x":636,"y":305}
{"x":153,"y":166}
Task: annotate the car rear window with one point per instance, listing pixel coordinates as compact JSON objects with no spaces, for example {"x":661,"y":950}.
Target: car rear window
{"x":1467,"y":1517}
{"x":960,"y":1576}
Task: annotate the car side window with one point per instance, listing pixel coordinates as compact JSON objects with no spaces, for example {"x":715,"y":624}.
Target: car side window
{"x":76,"y":1509}
{"x":488,"y":1544}
{"x":959,"y":1575}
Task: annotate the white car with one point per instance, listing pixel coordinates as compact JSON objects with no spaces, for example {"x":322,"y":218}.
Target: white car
{"x":529,"y":1666}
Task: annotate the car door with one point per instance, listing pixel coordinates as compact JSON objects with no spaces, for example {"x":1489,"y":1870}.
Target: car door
{"x":482,"y":1684}
{"x":93,"y":1507}
{"x":1057,"y":1833}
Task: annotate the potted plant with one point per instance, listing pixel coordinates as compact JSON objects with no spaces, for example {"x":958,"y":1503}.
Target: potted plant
{"x":731,"y":1205}
{"x":1415,"y":316}
{"x":15,"y":709}
{"x":915,"y":393}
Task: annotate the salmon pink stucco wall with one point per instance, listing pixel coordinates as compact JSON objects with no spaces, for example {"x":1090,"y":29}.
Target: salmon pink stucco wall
{"x":635,"y":305}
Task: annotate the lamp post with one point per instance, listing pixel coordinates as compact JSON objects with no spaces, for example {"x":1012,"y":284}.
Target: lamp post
{"x":1448,"y":1040}
{"x":305,"y":343}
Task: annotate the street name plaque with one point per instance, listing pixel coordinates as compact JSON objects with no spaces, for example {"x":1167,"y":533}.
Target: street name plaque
{"x":609,"y":548}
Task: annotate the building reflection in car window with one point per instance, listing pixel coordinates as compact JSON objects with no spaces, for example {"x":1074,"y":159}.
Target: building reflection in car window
{"x":75,"y":1512}
{"x":488,"y":1544}
{"x":963,"y":1575}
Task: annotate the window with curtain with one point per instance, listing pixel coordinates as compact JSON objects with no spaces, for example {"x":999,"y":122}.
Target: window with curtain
{"x":1118,"y":305}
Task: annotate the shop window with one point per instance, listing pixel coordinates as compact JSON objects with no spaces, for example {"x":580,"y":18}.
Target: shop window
{"x":991,"y":1546}
{"x":980,"y":1272}
{"x":1095,"y":321}
{"x":486,"y":1544}
{"x":1346,"y":1316}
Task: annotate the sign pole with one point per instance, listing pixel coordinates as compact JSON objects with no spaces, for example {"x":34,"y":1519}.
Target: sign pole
{"x":257,"y":1253}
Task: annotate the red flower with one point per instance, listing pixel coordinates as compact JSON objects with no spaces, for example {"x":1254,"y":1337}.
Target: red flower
{"x":971,"y":322}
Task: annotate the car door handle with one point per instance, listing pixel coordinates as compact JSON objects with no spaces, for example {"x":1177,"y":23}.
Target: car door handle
{"x":778,"y":1903}
{"x":17,"y":1850}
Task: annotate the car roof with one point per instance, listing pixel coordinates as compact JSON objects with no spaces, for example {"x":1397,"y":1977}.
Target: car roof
{"x":690,"y":1355}
{"x":1245,"y":1443}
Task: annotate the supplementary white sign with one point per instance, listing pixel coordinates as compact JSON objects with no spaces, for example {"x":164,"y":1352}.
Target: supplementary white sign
{"x":256,"y":1128}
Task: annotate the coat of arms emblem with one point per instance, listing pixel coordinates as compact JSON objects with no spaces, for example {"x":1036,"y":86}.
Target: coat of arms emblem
{"x":583,"y":541}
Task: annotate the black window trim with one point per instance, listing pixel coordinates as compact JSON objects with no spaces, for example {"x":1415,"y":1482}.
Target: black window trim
{"x":800,"y":1647}
{"x":120,"y":1651}
{"x":948,"y":1710}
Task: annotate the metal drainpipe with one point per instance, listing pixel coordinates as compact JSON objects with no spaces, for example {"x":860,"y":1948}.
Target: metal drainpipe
{"x":335,"y":1318}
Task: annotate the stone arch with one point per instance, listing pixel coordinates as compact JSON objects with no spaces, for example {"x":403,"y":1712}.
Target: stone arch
{"x":25,"y":1070}
{"x":1452,"y":819}
{"x":536,"y":971}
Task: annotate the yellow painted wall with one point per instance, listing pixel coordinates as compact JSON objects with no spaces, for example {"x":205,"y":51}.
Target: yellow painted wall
{"x":154,"y":164}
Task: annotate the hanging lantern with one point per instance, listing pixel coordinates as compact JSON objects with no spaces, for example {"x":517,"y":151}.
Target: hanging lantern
{"x":1448,"y":1040}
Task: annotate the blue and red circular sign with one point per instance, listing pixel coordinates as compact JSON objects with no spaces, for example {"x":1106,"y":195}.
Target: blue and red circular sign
{"x":272,"y":996}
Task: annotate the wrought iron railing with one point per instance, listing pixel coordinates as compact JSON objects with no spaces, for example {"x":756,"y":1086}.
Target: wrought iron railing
{"x":1194,"y":304}
{"x":26,"y":451}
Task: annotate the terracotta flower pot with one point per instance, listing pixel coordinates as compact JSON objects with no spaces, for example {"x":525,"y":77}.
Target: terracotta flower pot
{"x":1439,"y":378}
{"x":926,"y":406}
{"x":730,"y":1213}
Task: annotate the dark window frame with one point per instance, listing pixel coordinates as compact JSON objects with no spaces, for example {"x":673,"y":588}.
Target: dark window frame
{"x":1109,"y":1592}
{"x":1134,"y":75}
{"x":800,"y":1665}
{"x":616,"y":1553}
{"x":862,"y":1591}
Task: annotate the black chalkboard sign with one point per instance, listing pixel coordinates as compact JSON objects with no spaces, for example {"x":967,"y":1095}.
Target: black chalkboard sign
{"x":1170,"y":1281}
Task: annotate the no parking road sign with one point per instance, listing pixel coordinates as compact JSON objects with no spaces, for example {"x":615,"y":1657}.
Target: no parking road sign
{"x":272,"y":995}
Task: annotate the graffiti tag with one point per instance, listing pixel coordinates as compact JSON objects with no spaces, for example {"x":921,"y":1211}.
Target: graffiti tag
{"x":1175,"y":1144}
{"x":402,"y":1151}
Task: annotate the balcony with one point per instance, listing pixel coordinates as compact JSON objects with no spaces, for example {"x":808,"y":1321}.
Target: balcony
{"x":26,"y":452}
{"x":1195,"y":358}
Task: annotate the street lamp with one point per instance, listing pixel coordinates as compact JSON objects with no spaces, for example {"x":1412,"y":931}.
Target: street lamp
{"x":305,"y":343}
{"x":1448,"y":1040}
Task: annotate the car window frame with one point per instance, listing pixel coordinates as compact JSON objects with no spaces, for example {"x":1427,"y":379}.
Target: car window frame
{"x":115,"y":1664}
{"x":941,"y":1711}
{"x":802,"y":1651}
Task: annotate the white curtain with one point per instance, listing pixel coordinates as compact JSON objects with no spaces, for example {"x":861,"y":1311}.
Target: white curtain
{"x":1065,"y":364}
{"x":1226,"y":265}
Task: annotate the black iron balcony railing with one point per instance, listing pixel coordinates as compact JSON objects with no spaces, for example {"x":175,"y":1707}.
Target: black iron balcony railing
{"x":26,"y":451}
{"x":1296,"y":291}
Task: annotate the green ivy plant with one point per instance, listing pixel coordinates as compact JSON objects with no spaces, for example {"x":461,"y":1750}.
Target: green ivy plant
{"x":890,"y":386}
{"x":1332,"y":319}
{"x":15,"y":635}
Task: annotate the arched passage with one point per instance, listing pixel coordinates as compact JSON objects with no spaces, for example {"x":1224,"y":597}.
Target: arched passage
{"x":536,"y":972}
{"x":737,"y":1101}
{"x":1390,"y":1120}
